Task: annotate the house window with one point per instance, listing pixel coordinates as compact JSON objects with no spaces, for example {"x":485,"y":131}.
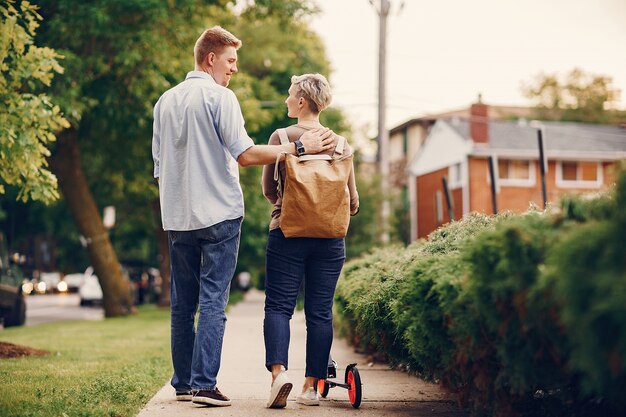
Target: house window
{"x":456,"y":176}
{"x":570,"y":171}
{"x":439,"y":207}
{"x":511,"y":169}
{"x":577,"y":174}
{"x":516,"y":172}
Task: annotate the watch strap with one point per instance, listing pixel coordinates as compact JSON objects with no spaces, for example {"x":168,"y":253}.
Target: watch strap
{"x":299,"y":147}
{"x":284,"y":139}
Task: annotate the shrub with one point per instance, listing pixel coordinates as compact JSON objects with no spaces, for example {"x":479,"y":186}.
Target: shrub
{"x":588,"y":274}
{"x":508,"y":342}
{"x":515,"y":313}
{"x":363,"y":300}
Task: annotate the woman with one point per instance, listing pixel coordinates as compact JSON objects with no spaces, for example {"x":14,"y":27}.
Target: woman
{"x":289,"y":260}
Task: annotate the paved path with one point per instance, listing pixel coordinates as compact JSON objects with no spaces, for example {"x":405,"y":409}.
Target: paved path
{"x":245,"y":380}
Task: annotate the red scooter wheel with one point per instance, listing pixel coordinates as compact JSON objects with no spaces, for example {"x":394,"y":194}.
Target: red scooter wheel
{"x":323,"y":387}
{"x":353,"y":379}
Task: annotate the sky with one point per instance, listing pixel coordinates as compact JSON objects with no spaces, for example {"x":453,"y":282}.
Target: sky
{"x":442,"y":53}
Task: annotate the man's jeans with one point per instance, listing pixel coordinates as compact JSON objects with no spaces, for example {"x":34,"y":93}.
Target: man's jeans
{"x":202,"y":264}
{"x":288,"y":261}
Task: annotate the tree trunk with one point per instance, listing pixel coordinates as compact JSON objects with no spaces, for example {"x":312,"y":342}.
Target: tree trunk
{"x":164,"y":257}
{"x":66,"y":165}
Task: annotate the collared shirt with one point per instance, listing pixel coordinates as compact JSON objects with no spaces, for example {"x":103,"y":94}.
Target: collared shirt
{"x":198,"y":134}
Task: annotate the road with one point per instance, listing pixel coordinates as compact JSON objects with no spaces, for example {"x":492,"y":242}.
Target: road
{"x":51,"y":308}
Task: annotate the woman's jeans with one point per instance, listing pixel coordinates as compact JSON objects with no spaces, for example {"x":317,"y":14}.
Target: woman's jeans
{"x":202,"y":265}
{"x":288,"y":261}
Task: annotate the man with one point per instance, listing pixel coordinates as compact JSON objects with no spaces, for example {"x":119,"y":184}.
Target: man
{"x":198,"y":139}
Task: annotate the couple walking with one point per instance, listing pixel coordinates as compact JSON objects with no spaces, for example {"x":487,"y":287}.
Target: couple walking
{"x":199,"y":141}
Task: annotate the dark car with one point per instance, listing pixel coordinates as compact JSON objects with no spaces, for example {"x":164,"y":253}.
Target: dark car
{"x":145,"y":280}
{"x":12,"y":302}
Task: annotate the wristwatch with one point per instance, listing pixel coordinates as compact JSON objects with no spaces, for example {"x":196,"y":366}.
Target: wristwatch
{"x":299,"y":148}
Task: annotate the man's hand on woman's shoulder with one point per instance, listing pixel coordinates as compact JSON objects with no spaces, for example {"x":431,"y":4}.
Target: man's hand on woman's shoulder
{"x":317,"y":140}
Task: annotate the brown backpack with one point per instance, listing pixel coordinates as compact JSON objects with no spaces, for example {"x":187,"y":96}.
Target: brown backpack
{"x":315,"y":198}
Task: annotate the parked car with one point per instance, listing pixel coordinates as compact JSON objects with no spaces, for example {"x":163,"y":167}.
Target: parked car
{"x":90,"y":292}
{"x":51,"y":281}
{"x":73,"y":282}
{"x":12,"y":302}
{"x":145,"y":281}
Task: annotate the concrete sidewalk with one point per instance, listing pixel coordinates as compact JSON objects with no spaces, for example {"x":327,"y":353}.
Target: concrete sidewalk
{"x":245,"y":380}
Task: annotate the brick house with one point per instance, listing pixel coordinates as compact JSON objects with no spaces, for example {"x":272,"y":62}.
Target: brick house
{"x":407,"y":138}
{"x":580,"y":158}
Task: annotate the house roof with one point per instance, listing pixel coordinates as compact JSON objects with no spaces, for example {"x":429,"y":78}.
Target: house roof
{"x":495,"y":112}
{"x":449,"y":142}
{"x":560,"y":138}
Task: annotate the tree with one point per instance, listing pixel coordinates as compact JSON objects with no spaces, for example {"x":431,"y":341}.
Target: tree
{"x":120,"y":56}
{"x":28,"y":117}
{"x":578,"y":97}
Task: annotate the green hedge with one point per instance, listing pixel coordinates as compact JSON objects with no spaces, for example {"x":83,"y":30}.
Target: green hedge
{"x":517,"y":314}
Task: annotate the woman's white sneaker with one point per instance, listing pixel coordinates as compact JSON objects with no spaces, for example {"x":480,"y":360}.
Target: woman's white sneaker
{"x":281,"y":387}
{"x":308,"y":397}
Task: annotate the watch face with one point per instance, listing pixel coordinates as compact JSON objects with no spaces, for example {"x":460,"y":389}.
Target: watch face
{"x":299,"y":148}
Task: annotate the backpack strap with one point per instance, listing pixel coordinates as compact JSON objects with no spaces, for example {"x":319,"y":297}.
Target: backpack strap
{"x":282,"y":135}
{"x":284,"y":139}
{"x":317,"y":156}
{"x":341,"y":143}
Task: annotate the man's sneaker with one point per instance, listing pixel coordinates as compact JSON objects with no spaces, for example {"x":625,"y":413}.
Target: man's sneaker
{"x":184,"y":395}
{"x":210,"y":397}
{"x":308,"y":397}
{"x":281,"y":387}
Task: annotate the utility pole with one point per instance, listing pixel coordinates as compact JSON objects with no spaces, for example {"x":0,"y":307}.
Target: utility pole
{"x":383,"y":133}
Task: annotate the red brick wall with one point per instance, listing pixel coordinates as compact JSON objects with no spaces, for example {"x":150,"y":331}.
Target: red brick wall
{"x":479,"y":128}
{"x":518,"y":199}
{"x":480,"y":194}
{"x":427,"y":185}
{"x":457,"y":202}
{"x":509,"y":198}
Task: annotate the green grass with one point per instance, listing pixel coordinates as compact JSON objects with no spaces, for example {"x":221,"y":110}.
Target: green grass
{"x":96,"y":368}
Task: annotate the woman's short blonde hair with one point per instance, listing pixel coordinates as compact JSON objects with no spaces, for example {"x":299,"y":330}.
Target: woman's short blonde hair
{"x":214,"y":40}
{"x":315,"y":89}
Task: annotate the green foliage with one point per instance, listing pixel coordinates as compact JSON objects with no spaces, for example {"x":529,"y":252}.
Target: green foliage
{"x":28,"y":117}
{"x":119,"y":57}
{"x":509,"y":348}
{"x":367,"y":294}
{"x":363,"y":230}
{"x":578,"y":97}
{"x":587,"y":273}
{"x":255,"y":226}
{"x":515,"y":313}
{"x":284,"y":9}
{"x":585,"y":209}
{"x":400,"y":216}
{"x":362,"y":299}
